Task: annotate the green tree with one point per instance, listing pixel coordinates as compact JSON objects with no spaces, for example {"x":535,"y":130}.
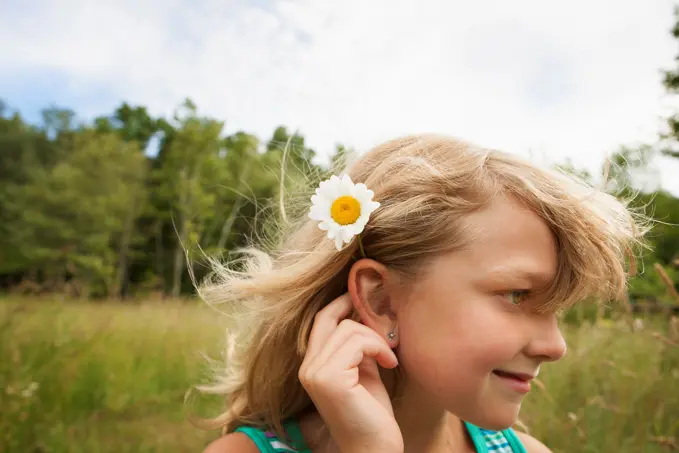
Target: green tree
{"x":238,"y":187}
{"x":189,"y":172}
{"x":23,"y":148}
{"x":671,"y":82}
{"x":68,"y":216}
{"x":135,"y":125}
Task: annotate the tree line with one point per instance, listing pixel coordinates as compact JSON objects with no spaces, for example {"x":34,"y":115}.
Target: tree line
{"x":85,"y":209}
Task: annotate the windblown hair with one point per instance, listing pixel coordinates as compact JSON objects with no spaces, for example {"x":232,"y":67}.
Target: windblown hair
{"x":426,"y":185}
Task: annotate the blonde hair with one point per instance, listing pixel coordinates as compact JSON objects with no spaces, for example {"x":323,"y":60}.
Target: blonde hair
{"x":426,"y":185}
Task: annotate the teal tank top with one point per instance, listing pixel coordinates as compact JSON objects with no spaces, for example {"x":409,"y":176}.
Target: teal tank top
{"x":484,"y":440}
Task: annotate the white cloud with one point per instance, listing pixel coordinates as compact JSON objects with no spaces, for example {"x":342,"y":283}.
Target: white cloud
{"x":574,"y":80}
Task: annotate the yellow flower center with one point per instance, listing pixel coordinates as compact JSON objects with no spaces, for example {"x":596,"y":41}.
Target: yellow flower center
{"x":345,"y":210}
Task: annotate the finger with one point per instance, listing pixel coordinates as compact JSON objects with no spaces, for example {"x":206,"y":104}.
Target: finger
{"x":357,"y":349}
{"x":326,"y":321}
{"x":343,"y":333}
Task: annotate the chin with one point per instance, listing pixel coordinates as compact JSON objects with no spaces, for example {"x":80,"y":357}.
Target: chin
{"x":495,"y":418}
{"x":494,"y":425}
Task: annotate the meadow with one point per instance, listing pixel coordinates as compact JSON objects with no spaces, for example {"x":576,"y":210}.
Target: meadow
{"x":112,"y":377}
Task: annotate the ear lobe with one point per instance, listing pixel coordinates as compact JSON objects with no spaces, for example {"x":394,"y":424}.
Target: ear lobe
{"x":368,"y":285}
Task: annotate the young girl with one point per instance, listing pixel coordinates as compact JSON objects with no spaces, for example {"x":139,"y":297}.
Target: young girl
{"x":410,"y":310}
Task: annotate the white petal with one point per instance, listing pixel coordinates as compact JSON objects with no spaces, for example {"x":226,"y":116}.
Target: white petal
{"x":320,"y":211}
{"x":335,"y":188}
{"x":325,"y":191}
{"x":324,"y":226}
{"x":352,"y":191}
{"x":362,"y":190}
{"x":333,"y":230}
{"x":328,"y":188}
{"x":334,"y":181}
{"x":365,"y":196}
{"x":370,"y":207}
{"x":350,"y":234}
{"x":343,"y":233}
{"x":359,"y":226}
{"x":338,"y":243}
{"x":362,"y":197}
{"x":347,"y":186}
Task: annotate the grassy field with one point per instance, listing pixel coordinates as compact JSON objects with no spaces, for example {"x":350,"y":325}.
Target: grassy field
{"x":77,"y":377}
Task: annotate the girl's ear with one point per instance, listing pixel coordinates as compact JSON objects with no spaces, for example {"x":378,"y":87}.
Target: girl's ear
{"x":369,"y":289}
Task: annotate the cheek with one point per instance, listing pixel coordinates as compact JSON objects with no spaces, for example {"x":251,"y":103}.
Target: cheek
{"x":456,"y":346}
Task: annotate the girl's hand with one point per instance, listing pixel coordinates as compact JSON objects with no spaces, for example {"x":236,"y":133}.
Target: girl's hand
{"x":340,"y":374}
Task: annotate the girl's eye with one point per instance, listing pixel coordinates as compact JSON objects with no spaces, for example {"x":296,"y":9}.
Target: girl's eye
{"x":515,"y":297}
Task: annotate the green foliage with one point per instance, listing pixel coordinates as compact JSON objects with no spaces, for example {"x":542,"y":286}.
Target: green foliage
{"x":67,"y":216}
{"x":663,"y":238}
{"x":89,"y":212}
{"x":671,"y":82}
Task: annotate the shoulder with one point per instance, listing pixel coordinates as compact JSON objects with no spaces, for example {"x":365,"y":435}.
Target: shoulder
{"x":232,"y":443}
{"x":531,"y":444}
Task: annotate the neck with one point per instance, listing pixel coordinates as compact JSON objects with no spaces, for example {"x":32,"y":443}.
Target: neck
{"x":425,"y":426}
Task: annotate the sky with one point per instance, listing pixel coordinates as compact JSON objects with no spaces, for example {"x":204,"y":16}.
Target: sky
{"x":555,"y":81}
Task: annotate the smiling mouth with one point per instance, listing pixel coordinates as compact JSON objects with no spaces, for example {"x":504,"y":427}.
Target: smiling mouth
{"x":524,"y":377}
{"x":518,"y":382}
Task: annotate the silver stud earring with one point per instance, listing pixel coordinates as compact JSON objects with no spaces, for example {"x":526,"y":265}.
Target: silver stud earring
{"x":391,"y":335}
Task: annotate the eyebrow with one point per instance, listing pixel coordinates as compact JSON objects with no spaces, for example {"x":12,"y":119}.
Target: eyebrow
{"x":539,"y":277}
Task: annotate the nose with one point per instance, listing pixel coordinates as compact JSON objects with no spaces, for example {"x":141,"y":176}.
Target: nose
{"x":547,"y":344}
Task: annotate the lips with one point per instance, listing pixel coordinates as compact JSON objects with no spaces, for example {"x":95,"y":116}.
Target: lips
{"x":518,"y":382}
{"x":525,"y":377}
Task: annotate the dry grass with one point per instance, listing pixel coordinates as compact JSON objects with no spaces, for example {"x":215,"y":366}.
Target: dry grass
{"x":106,"y":377}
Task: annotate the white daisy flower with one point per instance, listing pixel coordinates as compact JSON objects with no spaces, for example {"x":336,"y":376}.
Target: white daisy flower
{"x":342,"y":208}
